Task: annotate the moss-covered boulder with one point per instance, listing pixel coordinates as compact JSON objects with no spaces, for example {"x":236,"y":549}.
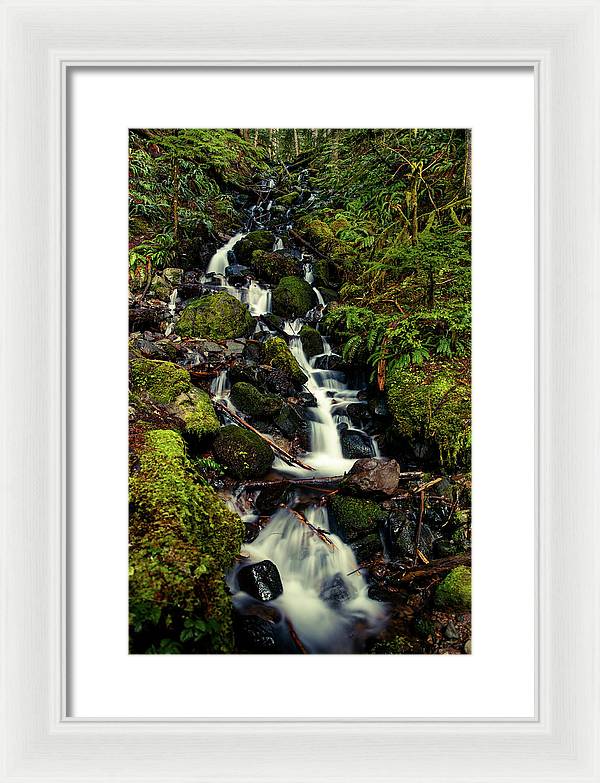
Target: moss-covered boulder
{"x":218,"y":317}
{"x":250,"y":400}
{"x":255,"y":240}
{"x":293,"y":297}
{"x":432,"y":407}
{"x":353,"y":519}
{"x":455,"y":590}
{"x":243,"y":453}
{"x":163,"y":381}
{"x":183,"y":538}
{"x":312,"y":342}
{"x":288,"y":199}
{"x":277,"y":354}
{"x":167,"y":384}
{"x":271,"y":267}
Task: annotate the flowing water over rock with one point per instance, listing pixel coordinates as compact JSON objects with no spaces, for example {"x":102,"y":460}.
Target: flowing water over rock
{"x":323,"y":606}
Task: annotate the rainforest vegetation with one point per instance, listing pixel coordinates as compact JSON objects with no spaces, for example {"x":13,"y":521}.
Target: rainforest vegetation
{"x":300,"y":394}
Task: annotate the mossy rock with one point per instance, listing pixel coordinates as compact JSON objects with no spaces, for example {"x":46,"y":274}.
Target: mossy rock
{"x":160,"y":288}
{"x":255,"y":240}
{"x":271,"y":267}
{"x":293,"y":297}
{"x":277,"y":354}
{"x":455,"y":590}
{"x":312,"y":342}
{"x":317,"y":232}
{"x":397,"y":645}
{"x":183,"y":539}
{"x":167,"y":384}
{"x":353,"y":518}
{"x":218,"y":317}
{"x":163,"y":381}
{"x":288,"y":199}
{"x":432,"y":407}
{"x":198,"y":413}
{"x":274,"y":322}
{"x":250,"y":400}
{"x":243,"y":453}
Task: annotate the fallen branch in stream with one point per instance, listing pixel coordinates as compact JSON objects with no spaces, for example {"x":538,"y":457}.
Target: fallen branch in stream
{"x":419,"y":527}
{"x":294,"y":482}
{"x":295,"y":637}
{"x":321,"y":534}
{"x":277,"y":449}
{"x":434,"y":567}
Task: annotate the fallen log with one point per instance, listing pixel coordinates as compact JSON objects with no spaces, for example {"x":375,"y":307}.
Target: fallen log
{"x":434,"y":567}
{"x":277,"y":449}
{"x":294,"y":482}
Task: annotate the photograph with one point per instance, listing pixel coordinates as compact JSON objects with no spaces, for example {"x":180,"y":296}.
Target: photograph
{"x":299,"y":391}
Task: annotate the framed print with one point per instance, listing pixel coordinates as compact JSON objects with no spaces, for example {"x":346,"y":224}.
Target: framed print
{"x":249,"y":534}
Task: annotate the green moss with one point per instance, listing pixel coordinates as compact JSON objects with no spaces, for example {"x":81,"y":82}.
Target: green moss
{"x":311,"y":340}
{"x":353,"y":518}
{"x":164,"y":381}
{"x":455,"y":590}
{"x":293,"y":297}
{"x":255,"y":240}
{"x":271,"y":267}
{"x":167,"y":384}
{"x":277,"y":354}
{"x":432,"y":408}
{"x":183,"y":538}
{"x":243,"y":453}
{"x":218,"y":317}
{"x":287,"y":200}
{"x":250,"y":400}
{"x":198,"y":413}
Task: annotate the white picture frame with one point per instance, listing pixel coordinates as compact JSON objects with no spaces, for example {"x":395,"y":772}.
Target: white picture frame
{"x":41,"y":41}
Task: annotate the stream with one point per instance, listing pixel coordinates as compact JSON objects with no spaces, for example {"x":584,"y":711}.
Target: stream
{"x":324,"y":606}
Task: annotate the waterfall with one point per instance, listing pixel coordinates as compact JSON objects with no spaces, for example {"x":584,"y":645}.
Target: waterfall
{"x":219,"y":262}
{"x":324,"y":595}
{"x":171,"y":309}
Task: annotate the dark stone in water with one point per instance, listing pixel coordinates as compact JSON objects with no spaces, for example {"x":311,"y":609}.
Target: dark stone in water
{"x":399,"y":535}
{"x":237,"y":274}
{"x":373,"y":476}
{"x":356,"y":445}
{"x":334,"y":591}
{"x":270,"y":498}
{"x":289,"y":421}
{"x":254,"y":635}
{"x":261,"y":580}
{"x":328,"y":362}
{"x":252,"y":531}
{"x":279,"y":382}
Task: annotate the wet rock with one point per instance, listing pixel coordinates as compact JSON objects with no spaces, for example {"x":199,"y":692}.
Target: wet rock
{"x":270,"y":499}
{"x":274,"y":322}
{"x":367,"y":547}
{"x":243,"y":453}
{"x":254,"y":634}
{"x":329,"y":362}
{"x":289,"y":421}
{"x":279,"y":382}
{"x":252,"y":529}
{"x":271,"y":267}
{"x":372,"y":476}
{"x":378,"y":407}
{"x":293,"y":297}
{"x":237,"y":274}
{"x":399,"y":532}
{"x":218,"y":316}
{"x":358,"y":413}
{"x":151,"y":350}
{"x":250,"y":400}
{"x":311,"y":340}
{"x":261,"y":580}
{"x":352,"y":518}
{"x":277,"y":354}
{"x":356,"y":445}
{"x":334,"y":591}
{"x":234,"y":348}
{"x":255,"y":240}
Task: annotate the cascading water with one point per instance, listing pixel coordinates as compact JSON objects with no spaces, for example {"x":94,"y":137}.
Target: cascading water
{"x":324,"y":599}
{"x":324,"y":595}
